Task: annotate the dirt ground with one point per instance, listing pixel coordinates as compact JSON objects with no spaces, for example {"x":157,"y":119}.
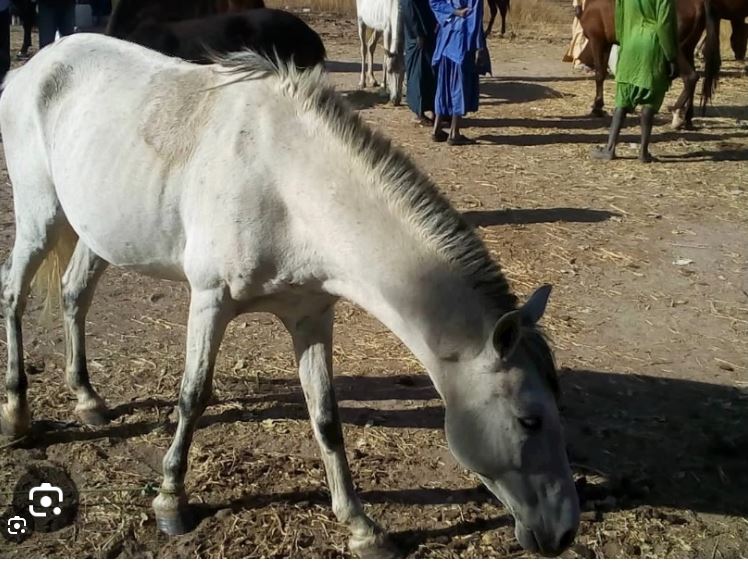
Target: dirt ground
{"x":649,"y":319}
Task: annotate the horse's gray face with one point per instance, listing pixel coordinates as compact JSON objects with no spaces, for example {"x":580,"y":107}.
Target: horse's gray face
{"x":504,"y":425}
{"x":395,"y":77}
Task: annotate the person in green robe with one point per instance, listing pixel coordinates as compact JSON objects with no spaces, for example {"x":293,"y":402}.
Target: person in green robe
{"x":647,"y":32}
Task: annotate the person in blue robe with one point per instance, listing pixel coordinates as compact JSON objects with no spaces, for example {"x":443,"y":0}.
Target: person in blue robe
{"x":460,"y":42}
{"x":419,"y":26}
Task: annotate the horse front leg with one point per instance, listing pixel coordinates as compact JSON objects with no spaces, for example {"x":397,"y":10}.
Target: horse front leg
{"x":209,"y":315}
{"x":493,"y":9}
{"x":371,"y":48}
{"x":362,"y":41}
{"x":78,"y":286}
{"x":312,"y":339}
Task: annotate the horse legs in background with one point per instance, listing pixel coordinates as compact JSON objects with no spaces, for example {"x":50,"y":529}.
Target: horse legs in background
{"x":683,"y":107}
{"x":209,"y":315}
{"x":503,"y":9}
{"x":312,"y":340}
{"x":371,"y":47}
{"x":362,"y":40}
{"x":600,"y":53}
{"x":78,"y":286}
{"x":493,"y":8}
{"x":739,"y":38}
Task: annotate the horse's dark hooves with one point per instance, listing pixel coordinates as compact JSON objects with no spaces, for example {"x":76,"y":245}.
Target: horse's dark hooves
{"x":173,"y":514}
{"x":598,"y":112}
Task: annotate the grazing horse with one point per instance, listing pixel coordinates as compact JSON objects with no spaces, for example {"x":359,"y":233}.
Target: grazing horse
{"x":262,"y":30}
{"x":129,"y":14}
{"x":500,"y":6}
{"x":383,"y":18}
{"x":735,"y":11}
{"x":598,"y":22}
{"x":258,"y":186}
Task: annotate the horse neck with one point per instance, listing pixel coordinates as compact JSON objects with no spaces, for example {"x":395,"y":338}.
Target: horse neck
{"x":429,"y":306}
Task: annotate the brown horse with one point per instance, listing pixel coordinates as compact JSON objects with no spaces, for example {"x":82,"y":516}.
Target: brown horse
{"x":598,"y":22}
{"x":736,"y":11}
{"x":129,"y":14}
{"x":497,"y":6}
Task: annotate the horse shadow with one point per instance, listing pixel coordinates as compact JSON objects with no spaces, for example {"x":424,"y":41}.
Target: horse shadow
{"x":496,"y":91}
{"x":490,"y":218}
{"x":541,"y":139}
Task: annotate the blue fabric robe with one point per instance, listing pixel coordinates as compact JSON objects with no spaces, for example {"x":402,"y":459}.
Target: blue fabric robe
{"x":419,"y":21}
{"x":457,"y":41}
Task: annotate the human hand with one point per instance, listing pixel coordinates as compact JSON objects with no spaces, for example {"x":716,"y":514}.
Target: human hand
{"x":578,"y":12}
{"x":462,"y":12}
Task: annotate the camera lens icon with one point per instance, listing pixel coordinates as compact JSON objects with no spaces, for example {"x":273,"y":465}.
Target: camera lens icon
{"x":44,"y":496}
{"x":17,"y":526}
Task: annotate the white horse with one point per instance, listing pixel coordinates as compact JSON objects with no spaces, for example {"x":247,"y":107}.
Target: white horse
{"x":383,"y":18}
{"x":221,"y":176}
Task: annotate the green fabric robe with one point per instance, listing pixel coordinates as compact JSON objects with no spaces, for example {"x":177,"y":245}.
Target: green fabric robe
{"x":647,"y":32}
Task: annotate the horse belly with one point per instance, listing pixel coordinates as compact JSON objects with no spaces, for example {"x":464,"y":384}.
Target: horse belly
{"x":122,"y":205}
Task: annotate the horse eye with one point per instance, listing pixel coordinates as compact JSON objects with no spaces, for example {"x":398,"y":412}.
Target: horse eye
{"x":531,"y":423}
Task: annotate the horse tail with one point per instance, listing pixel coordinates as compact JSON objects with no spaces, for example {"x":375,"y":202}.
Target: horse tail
{"x":47,"y":282}
{"x":712,"y":57}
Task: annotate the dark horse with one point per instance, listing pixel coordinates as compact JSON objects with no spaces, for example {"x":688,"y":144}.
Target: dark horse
{"x":129,"y":14}
{"x":495,"y":6}
{"x":736,"y":11}
{"x":271,"y":32}
{"x":598,"y":22}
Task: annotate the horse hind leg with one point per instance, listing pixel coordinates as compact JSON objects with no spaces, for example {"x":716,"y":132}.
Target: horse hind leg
{"x":39,"y":225}
{"x":210,"y":313}
{"x":312,"y":340}
{"x":600,"y":54}
{"x":78,"y":286}
{"x":371,"y":47}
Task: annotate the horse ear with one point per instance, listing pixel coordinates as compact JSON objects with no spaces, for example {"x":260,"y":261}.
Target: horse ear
{"x":535,"y":306}
{"x":506,"y":334}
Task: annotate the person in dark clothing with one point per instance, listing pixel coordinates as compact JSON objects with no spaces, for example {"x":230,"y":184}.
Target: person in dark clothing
{"x":419,"y":25}
{"x":55,"y":16}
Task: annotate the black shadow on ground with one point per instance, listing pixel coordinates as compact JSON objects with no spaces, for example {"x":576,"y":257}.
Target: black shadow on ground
{"x":531,"y":216}
{"x":366,"y":99}
{"x":348,"y":66}
{"x":539,"y":139}
{"x":502,"y":91}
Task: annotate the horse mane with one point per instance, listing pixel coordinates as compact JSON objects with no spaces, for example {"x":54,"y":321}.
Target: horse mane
{"x":407,"y":190}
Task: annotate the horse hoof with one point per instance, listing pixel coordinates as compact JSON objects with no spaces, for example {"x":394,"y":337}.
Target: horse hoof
{"x":374,"y":84}
{"x":173,"y":515}
{"x":93,"y":417}
{"x":374,"y":546}
{"x":93,"y":411}
{"x":598,"y":112}
{"x":15,"y":423}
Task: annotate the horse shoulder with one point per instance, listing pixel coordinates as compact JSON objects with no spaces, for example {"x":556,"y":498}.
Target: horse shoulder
{"x":178,"y":112}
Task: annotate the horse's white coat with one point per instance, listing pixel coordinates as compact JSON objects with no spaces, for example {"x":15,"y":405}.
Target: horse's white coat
{"x":270,"y":195}
{"x":384,"y":19}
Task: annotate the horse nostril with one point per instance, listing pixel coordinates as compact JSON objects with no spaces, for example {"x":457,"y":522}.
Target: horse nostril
{"x":566,"y":539}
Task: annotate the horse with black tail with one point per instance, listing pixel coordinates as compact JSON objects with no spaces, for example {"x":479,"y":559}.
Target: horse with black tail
{"x":715,"y":11}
